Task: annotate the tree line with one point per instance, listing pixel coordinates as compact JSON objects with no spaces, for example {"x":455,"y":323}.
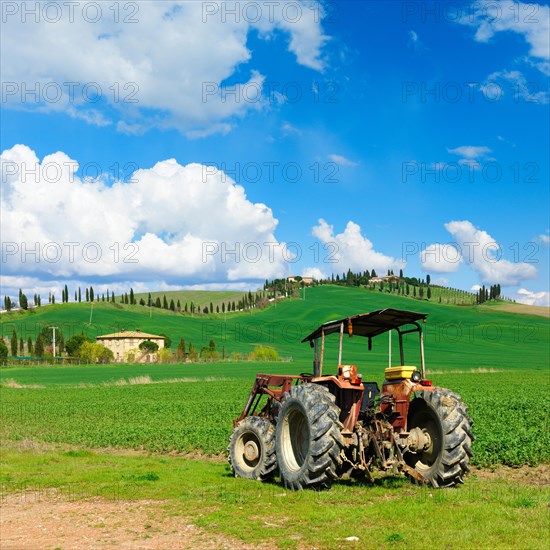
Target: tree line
{"x":414,"y":287}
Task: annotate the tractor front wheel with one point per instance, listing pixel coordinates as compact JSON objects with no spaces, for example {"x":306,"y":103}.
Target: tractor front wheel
{"x":252,"y":449}
{"x":447,"y":434}
{"x":308,"y":439}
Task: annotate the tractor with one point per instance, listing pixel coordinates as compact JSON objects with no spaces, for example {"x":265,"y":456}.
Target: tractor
{"x":312,"y":428}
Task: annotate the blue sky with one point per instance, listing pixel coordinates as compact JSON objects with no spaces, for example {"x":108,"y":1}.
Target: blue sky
{"x":375,"y":134}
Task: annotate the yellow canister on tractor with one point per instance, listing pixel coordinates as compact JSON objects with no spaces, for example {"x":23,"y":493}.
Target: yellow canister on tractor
{"x":399,"y":372}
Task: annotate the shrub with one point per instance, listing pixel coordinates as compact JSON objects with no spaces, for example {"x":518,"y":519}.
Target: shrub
{"x":3,"y":352}
{"x":148,"y":347}
{"x":93,"y":353}
{"x":263,"y":353}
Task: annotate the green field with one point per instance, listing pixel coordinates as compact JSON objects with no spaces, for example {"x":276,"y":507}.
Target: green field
{"x":497,"y":361}
{"x":201,"y":298}
{"x":457,"y":337}
{"x":484,"y":513}
{"x":67,"y":426}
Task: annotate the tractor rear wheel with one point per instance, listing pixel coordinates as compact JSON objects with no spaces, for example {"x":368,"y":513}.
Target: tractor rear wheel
{"x":252,"y":449}
{"x":442,"y":417}
{"x":308,"y":439}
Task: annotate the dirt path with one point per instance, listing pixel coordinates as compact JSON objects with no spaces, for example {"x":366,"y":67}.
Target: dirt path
{"x":32,"y":521}
{"x":51,"y":520}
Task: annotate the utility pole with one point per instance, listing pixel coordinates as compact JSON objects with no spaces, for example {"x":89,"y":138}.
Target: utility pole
{"x":53,"y":339}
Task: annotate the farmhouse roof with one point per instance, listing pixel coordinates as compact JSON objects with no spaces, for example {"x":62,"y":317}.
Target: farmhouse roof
{"x":130,"y":334}
{"x":370,"y":324}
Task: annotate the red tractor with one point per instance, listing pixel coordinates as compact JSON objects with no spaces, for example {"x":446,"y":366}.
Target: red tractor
{"x":313,"y":429}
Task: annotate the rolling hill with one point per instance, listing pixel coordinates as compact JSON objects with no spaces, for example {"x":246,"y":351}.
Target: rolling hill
{"x":457,"y":337}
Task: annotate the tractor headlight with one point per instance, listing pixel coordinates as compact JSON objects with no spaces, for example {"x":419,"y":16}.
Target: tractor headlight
{"x":416,"y":376}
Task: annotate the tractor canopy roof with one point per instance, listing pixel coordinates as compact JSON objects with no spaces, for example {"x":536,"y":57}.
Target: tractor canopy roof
{"x":369,"y":324}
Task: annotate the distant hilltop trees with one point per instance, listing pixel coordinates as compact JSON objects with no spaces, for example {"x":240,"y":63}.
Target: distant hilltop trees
{"x":393,"y":284}
{"x":414,"y":287}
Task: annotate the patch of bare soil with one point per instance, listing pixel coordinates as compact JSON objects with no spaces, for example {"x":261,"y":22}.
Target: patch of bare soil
{"x":526,"y":475}
{"x":541,"y":311}
{"x":30,"y":521}
{"x":26,"y":445}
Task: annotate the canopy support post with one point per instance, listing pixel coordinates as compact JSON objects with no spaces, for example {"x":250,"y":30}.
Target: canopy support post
{"x":401,"y":350}
{"x":322,"y":353}
{"x":422,"y":362}
{"x":341,"y":342}
{"x":316,"y":357}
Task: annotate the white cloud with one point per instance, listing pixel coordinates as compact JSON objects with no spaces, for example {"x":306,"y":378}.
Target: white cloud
{"x":471,"y":156}
{"x":288,"y":129}
{"x":545,"y":239}
{"x":170,"y":222}
{"x":342,"y":161}
{"x":475,"y":288}
{"x":470,"y":152}
{"x":440,"y":281}
{"x":351,"y":250}
{"x":314,"y":272}
{"x":414,"y":42}
{"x":440,"y":258}
{"x":530,"y":20}
{"x":164,"y":66}
{"x":528,"y":92}
{"x":524,"y":296}
{"x":484,"y":255}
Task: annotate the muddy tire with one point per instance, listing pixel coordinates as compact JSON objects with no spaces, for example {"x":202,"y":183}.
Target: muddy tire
{"x":308,"y":439}
{"x":442,"y":415}
{"x":252,"y":449}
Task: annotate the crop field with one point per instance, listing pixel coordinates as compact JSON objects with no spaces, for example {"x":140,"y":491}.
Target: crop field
{"x":158,"y":433}
{"x":192,"y":410}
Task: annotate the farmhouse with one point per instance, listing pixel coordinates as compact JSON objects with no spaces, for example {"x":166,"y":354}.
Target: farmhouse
{"x":305,"y":280}
{"x":125,"y":345}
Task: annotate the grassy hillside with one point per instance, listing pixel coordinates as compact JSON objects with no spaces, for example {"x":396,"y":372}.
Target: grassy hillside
{"x":201,"y":298}
{"x":457,"y":337}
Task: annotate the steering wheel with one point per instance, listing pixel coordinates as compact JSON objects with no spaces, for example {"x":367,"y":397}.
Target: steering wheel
{"x":307,"y":374}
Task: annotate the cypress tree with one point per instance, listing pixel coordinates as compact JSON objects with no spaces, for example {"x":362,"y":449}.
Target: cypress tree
{"x":39,"y":346}
{"x":13,"y":343}
{"x":29,"y":345}
{"x":180,"y":351}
